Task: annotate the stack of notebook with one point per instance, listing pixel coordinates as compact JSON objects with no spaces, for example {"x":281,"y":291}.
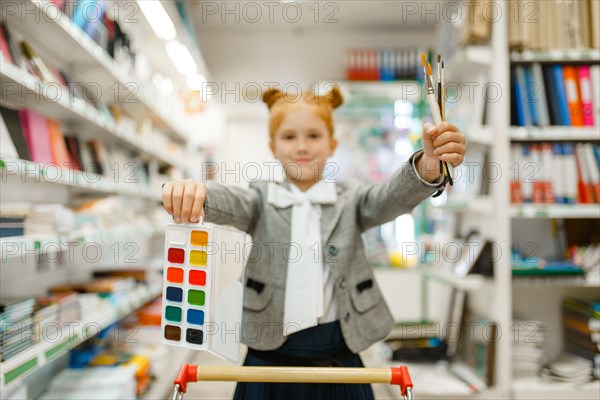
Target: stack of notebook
{"x":16,"y":326}
{"x":581,"y":326}
{"x":528,"y":347}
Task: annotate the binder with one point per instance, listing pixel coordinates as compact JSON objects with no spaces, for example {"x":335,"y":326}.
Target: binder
{"x":548,"y":167}
{"x":531,"y":95}
{"x":558,"y":173}
{"x":7,"y":147}
{"x":572,"y":92}
{"x":571,"y":173}
{"x":593,"y":173}
{"x":518,"y":88}
{"x":551,"y":98}
{"x":37,"y":136}
{"x":541,"y":101}
{"x":587,"y":93}
{"x":13,"y":124}
{"x":59,"y":148}
{"x":561,"y":95}
{"x":584,"y":188}
{"x":538,"y":181}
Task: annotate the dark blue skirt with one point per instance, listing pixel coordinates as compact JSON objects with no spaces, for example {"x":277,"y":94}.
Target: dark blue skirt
{"x":321,"y":346}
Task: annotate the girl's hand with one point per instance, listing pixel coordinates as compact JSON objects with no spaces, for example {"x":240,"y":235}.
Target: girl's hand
{"x":184,"y":200}
{"x":444,"y":143}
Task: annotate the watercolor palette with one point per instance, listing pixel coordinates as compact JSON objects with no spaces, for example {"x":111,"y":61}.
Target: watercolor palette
{"x":202,"y":293}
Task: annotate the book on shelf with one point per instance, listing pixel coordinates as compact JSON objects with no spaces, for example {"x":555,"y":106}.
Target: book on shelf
{"x":556,"y":94}
{"x":557,"y":173}
{"x":383,"y":64}
{"x":554,"y":24}
{"x":581,"y":329}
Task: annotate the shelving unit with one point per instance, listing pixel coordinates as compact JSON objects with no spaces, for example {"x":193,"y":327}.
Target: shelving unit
{"x":163,"y":387}
{"x":497,"y":216}
{"x":71,"y":45}
{"x":41,"y":353}
{"x":555,"y":211}
{"x":159,"y":145}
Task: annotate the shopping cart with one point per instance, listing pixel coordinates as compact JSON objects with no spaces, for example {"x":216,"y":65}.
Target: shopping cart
{"x":194,"y":373}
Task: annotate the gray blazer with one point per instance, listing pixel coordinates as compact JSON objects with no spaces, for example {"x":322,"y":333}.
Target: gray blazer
{"x":363,"y":314}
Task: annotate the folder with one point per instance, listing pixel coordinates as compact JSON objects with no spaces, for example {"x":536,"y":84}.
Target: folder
{"x":587,"y":93}
{"x":37,"y":136}
{"x":7,"y":147}
{"x":561,"y":95}
{"x":592,"y":171}
{"x":584,"y":188}
{"x":548,"y":168}
{"x":13,"y":125}
{"x":538,"y":180}
{"x":81,"y":11}
{"x":571,"y":173}
{"x":541,"y":102}
{"x":573,"y":98}
{"x":551,"y":99}
{"x":559,"y":175}
{"x":59,"y":148}
{"x":531,"y":97}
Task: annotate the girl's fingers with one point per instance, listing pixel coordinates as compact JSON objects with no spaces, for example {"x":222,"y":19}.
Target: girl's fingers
{"x":177,"y":197}
{"x":453,"y":158}
{"x":452,"y":147}
{"x":189,"y":192}
{"x":198,"y":207}
{"x":167,"y":191}
{"x":447,"y":137}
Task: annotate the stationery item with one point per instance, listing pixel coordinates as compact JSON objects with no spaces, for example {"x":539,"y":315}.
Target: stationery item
{"x":561,"y":95}
{"x":37,"y":136}
{"x":7,"y":147}
{"x":586,"y":89}
{"x":60,"y":153}
{"x":202,"y":308}
{"x":541,"y":104}
{"x":13,"y":126}
{"x":573,"y":98}
{"x":570,"y":172}
{"x":552,"y":98}
{"x":584,"y":189}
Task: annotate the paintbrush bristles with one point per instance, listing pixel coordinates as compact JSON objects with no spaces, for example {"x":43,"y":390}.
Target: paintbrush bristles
{"x":429,"y":69}
{"x":423,"y":60}
{"x":439,"y":58}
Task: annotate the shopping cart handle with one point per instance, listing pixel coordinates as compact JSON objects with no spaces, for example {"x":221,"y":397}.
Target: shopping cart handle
{"x":401,"y":376}
{"x":193,"y":373}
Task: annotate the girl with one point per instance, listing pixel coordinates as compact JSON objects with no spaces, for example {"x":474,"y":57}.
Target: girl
{"x":310,"y":297}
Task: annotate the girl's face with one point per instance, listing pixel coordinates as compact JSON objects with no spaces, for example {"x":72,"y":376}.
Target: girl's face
{"x":302,"y":144}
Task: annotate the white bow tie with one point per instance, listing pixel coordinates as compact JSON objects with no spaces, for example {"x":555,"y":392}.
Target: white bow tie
{"x":304,"y":283}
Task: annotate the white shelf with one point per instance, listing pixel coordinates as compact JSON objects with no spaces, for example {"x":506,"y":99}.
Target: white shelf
{"x":75,"y":48}
{"x":29,"y":171}
{"x":41,"y":353}
{"x":479,"y":135}
{"x":591,"y":55}
{"x":565,"y":133}
{"x":535,"y":388}
{"x":468,"y":61}
{"x":478,"y":205}
{"x":555,"y":211}
{"x":83,"y":236}
{"x":162,"y":388}
{"x":51,"y":102}
{"x":550,"y":282}
{"x":467,"y":283}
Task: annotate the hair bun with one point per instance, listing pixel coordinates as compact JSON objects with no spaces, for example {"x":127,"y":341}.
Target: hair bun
{"x":271,"y":96}
{"x":333,"y":97}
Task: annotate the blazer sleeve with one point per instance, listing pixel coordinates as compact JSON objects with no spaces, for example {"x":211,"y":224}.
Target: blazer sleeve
{"x":231,"y":205}
{"x":404,"y":190}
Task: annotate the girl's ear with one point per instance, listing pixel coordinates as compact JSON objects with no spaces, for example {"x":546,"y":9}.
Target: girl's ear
{"x":334,"y":97}
{"x":271,"y":96}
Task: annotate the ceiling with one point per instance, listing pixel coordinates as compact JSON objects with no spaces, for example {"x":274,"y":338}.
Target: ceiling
{"x":270,"y":16}
{"x":252,"y":43}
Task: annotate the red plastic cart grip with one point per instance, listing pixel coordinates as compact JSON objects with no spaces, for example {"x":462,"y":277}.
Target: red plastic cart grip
{"x":401,"y":376}
{"x":187,"y":373}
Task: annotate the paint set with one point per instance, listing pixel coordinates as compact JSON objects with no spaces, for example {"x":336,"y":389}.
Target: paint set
{"x":202,"y":293}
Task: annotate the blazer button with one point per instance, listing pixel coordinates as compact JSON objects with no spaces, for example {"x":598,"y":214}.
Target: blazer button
{"x":342,"y":282}
{"x":333,"y":249}
{"x":347,"y":317}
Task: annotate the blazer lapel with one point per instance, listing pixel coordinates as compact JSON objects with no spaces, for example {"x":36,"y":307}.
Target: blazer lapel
{"x":330,"y":216}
